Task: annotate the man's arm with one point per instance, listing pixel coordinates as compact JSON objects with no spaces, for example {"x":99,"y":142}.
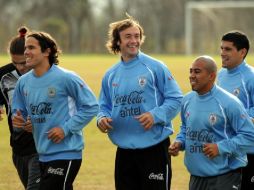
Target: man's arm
{"x":172,"y":95}
{"x":242,"y":125}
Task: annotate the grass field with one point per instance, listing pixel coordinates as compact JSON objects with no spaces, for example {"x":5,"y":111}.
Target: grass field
{"x":97,"y":170}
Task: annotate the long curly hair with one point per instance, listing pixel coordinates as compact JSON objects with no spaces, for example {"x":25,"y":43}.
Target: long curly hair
{"x":114,"y":33}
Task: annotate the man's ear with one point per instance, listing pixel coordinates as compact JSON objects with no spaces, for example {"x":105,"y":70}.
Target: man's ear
{"x":243,"y":52}
{"x":47,"y":52}
{"x":212,"y":76}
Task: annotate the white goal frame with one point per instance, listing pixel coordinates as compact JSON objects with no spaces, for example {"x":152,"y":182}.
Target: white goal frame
{"x":190,"y":6}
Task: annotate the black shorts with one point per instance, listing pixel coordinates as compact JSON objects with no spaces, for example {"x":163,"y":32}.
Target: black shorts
{"x":143,"y":169}
{"x":59,"y":174}
{"x":228,"y":181}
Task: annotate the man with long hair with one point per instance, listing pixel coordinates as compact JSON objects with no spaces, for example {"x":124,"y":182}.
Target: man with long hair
{"x":138,"y":100}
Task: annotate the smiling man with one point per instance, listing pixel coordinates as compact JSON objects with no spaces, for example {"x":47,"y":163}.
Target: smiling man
{"x":237,"y":77}
{"x":138,"y":100}
{"x":59,"y":104}
{"x":215,"y":133}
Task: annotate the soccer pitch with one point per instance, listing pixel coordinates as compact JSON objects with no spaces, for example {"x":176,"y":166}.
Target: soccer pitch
{"x":97,"y":170}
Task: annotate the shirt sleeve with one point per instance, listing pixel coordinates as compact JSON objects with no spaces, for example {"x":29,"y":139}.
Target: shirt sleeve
{"x":104,"y":99}
{"x":171,"y":93}
{"x":2,"y":98}
{"x":250,"y":89}
{"x":241,"y":137}
{"x":181,"y":136}
{"x":18,"y":100}
{"x":85,"y":101}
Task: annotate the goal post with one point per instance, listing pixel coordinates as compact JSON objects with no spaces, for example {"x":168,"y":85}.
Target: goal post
{"x":193,"y":5}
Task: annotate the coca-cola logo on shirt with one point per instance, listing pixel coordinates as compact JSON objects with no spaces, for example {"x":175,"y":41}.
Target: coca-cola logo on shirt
{"x":41,"y":109}
{"x":129,"y":104}
{"x":134,"y":97}
{"x":202,"y":135}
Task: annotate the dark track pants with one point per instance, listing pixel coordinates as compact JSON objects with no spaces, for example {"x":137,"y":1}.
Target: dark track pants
{"x":59,"y":174}
{"x":228,"y":181}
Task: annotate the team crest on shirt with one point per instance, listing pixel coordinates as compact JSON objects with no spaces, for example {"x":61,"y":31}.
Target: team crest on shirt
{"x":51,"y":92}
{"x":212,"y":119}
{"x":236,"y":92}
{"x":142,"y":81}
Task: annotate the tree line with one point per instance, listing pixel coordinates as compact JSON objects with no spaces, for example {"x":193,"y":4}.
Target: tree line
{"x":80,"y":26}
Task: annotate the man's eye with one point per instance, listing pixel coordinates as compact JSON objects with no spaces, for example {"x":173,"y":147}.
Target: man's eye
{"x":20,"y":63}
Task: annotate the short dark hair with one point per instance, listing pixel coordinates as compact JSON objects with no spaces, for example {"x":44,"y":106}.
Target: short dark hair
{"x":239,"y":39}
{"x":17,"y":44}
{"x":47,"y":41}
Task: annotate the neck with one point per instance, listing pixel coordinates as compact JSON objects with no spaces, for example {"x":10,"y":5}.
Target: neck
{"x":42,"y":68}
{"x":127,"y":58}
{"x":206,"y":90}
{"x":235,"y":65}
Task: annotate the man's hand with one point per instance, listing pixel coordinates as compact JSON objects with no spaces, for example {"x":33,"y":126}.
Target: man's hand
{"x":18,"y":120}
{"x":1,"y":113}
{"x":146,"y":120}
{"x":210,"y":150}
{"x":56,"y":134}
{"x":104,"y":124}
{"x":28,"y":125}
{"x":174,"y":148}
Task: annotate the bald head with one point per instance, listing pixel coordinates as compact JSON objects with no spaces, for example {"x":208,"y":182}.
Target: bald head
{"x":203,"y":74}
{"x":209,"y":63}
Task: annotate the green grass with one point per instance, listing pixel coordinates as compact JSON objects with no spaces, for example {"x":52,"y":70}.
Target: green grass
{"x":97,"y":170}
